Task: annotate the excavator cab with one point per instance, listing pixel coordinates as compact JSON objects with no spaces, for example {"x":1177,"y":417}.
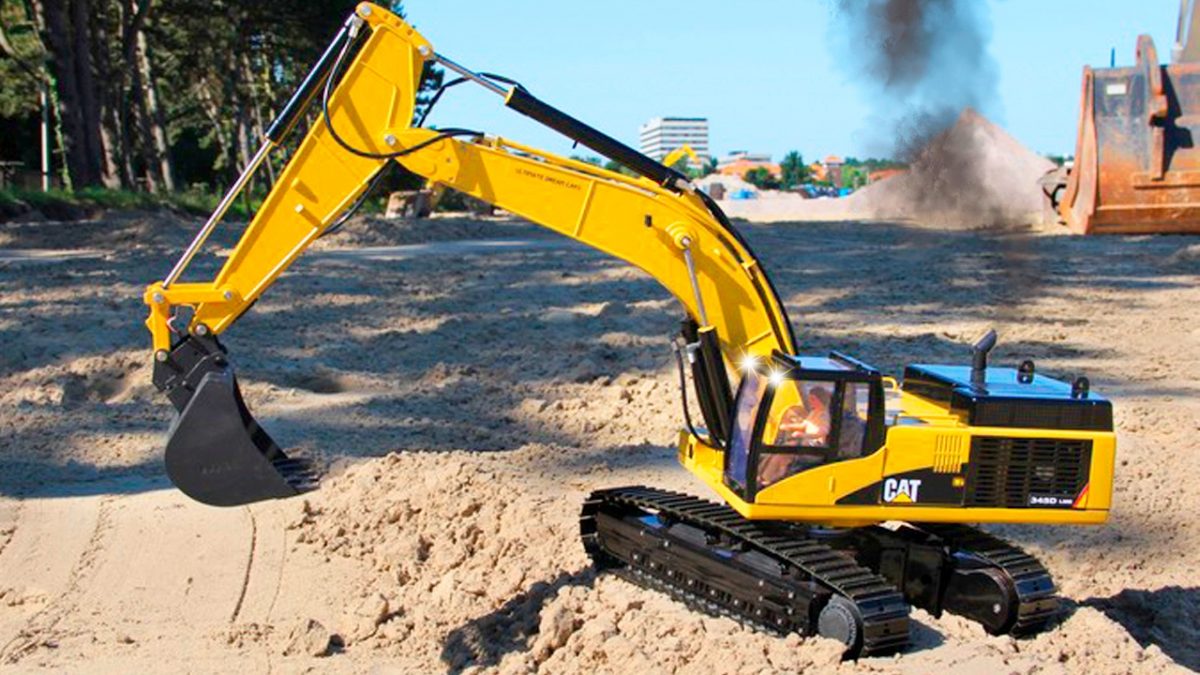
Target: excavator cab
{"x":799,"y":412}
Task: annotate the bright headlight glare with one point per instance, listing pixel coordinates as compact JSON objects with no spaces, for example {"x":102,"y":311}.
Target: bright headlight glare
{"x":749,"y":362}
{"x":775,"y":378}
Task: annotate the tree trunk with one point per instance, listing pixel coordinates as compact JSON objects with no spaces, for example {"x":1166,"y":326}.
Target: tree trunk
{"x":141,"y":94}
{"x":89,"y":103}
{"x":35,"y":9}
{"x":243,"y":145}
{"x":113,"y":134}
{"x":60,"y":138}
{"x":256,"y":108}
{"x":155,"y":128}
{"x":213,"y":112}
{"x":237,"y":107}
{"x":148,"y":162}
{"x":70,"y":107}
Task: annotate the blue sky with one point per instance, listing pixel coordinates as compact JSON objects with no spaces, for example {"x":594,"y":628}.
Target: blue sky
{"x":762,"y":71}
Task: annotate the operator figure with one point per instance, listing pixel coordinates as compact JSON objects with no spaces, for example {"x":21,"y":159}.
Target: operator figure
{"x":803,"y":428}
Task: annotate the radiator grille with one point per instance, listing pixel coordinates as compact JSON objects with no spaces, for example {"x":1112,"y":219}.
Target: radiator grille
{"x":1022,"y":472}
{"x":948,"y":454}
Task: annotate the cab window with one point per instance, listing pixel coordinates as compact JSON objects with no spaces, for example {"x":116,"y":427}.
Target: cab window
{"x":810,"y":423}
{"x":750,"y":395}
{"x":852,"y":435}
{"x":799,"y":430}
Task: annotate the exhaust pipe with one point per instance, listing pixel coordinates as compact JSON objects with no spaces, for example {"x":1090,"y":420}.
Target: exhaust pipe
{"x":216,"y":452}
{"x":979,"y":358}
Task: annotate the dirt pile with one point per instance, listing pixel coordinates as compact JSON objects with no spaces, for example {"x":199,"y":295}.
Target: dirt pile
{"x":973,"y":174}
{"x":450,"y":546}
{"x":728,"y":186}
{"x":377,"y":231}
{"x":117,"y":232}
{"x":473,"y":564}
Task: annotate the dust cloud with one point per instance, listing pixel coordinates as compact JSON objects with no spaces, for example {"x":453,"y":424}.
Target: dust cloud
{"x":921,"y":64}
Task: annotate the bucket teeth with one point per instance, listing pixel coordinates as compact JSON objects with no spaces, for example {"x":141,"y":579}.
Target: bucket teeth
{"x":300,"y":472}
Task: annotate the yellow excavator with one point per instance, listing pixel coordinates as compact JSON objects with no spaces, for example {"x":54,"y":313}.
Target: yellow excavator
{"x":845,"y":494}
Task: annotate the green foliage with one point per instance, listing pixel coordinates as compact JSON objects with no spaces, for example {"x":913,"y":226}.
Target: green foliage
{"x":854,"y":177}
{"x":793,"y":169}
{"x":762,"y":179}
{"x":218,"y":70}
{"x":857,"y":172}
{"x":617,"y":167}
{"x":22,"y":69}
{"x":15,"y":89}
{"x":873,"y":164}
{"x":683,"y":166}
{"x":21,"y":60}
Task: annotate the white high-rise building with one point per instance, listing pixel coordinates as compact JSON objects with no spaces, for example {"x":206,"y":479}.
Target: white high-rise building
{"x":661,"y":135}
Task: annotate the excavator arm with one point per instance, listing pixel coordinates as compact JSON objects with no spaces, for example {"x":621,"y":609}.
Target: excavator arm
{"x":365,"y":87}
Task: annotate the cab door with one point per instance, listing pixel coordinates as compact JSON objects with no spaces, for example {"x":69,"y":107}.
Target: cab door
{"x":747,"y":404}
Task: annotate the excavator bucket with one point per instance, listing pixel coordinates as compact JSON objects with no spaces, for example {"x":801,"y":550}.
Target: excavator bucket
{"x":217,"y":453}
{"x":1137,"y":166}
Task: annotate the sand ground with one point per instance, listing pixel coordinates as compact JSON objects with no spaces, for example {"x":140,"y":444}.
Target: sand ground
{"x":467,"y":395}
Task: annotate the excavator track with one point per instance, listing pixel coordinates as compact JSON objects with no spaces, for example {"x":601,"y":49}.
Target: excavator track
{"x":958,"y":569}
{"x":765,"y":574}
{"x":1034,"y":603}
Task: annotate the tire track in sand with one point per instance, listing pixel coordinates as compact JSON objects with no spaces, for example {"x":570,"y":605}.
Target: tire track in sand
{"x":40,"y":629}
{"x":241,"y":599}
{"x":10,"y":520}
{"x":9,"y":529}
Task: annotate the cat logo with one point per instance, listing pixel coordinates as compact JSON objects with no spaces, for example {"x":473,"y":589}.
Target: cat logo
{"x":901,"y":490}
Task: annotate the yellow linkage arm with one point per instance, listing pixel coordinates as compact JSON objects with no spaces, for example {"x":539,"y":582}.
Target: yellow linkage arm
{"x":371,"y":109}
{"x":319,"y":182}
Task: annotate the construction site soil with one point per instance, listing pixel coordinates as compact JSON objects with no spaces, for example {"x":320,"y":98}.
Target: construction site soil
{"x":466,"y":395}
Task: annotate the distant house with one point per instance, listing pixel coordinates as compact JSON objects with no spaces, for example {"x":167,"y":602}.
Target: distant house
{"x":833,"y":170}
{"x":829,"y":171}
{"x":738,"y":162}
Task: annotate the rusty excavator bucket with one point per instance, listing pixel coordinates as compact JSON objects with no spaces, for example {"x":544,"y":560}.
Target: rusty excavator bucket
{"x":217,"y":453}
{"x":1137,"y":163}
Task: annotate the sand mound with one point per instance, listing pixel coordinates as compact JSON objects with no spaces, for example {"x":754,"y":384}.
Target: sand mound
{"x":117,"y":231}
{"x":125,"y":231}
{"x":448,"y":541}
{"x":376,"y":231}
{"x":475,"y":566}
{"x":972,"y":174}
{"x":730,"y":184}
